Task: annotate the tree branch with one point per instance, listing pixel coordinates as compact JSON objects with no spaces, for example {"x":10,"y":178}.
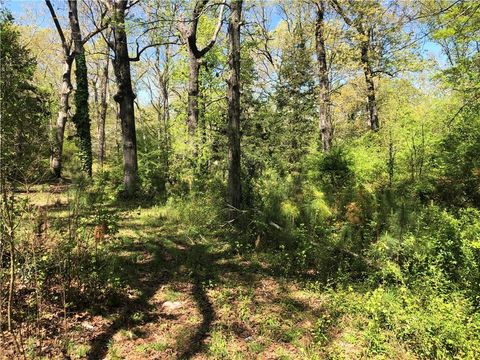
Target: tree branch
{"x":215,"y":34}
{"x":66,"y":48}
{"x":139,"y":52}
{"x":93,"y":33}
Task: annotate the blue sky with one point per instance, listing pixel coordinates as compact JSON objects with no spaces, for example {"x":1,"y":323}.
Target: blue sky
{"x":18,"y":7}
{"x":21,"y":9}
{"x":35,"y":11}
{"x":29,"y":11}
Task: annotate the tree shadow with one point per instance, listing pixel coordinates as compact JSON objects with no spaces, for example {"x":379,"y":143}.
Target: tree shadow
{"x":196,"y":340}
{"x":149,"y":279}
{"x":180,"y":259}
{"x":176,"y":258}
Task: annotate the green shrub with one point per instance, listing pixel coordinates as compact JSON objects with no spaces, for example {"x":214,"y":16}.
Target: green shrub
{"x":428,"y":324}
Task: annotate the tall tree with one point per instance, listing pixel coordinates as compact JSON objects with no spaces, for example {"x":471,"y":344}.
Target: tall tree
{"x":325,"y":121}
{"x":81,"y":119}
{"x":233,"y":93}
{"x":125,"y":95}
{"x":65,"y":91}
{"x":365,"y":32}
{"x":102,"y":90}
{"x":24,"y":108}
{"x":195,"y":55}
{"x":295,"y":94}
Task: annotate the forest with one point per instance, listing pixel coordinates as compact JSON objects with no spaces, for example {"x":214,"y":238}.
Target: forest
{"x":239,"y":179}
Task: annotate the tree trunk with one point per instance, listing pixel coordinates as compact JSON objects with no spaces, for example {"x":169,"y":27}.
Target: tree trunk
{"x":102,"y":113}
{"x":233,"y":93}
{"x":372,"y":102}
{"x":81,"y":118}
{"x":65,"y":92}
{"x":194,"y":57}
{"x":125,"y":97}
{"x":166,"y":111}
{"x":193,"y":90}
{"x":325,"y":122}
{"x":163,"y":116}
{"x":365,"y":60}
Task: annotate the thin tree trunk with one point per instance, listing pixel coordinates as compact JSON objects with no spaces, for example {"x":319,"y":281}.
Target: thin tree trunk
{"x":81,"y":118}
{"x":166,"y":111}
{"x":125,"y":97}
{"x":194,"y":57}
{"x":325,"y":123}
{"x":193,"y":90}
{"x":65,"y":92}
{"x":7,"y":214}
{"x":162,"y":108}
{"x":372,"y":102}
{"x":233,"y":93}
{"x":102,"y":114}
{"x":365,"y":60}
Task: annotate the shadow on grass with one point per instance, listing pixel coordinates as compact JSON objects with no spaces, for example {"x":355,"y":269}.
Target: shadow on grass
{"x":166,"y":258}
{"x":162,"y":264}
{"x":144,"y":277}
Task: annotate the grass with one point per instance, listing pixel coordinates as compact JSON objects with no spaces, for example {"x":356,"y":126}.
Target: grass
{"x":77,"y":351}
{"x":236,"y":305}
{"x":152,"y":347}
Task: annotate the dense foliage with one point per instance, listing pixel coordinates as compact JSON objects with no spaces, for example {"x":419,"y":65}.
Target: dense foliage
{"x":383,"y":228}
{"x":24,"y":109}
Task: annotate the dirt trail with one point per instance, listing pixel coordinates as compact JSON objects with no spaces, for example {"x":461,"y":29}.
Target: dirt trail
{"x":186,"y":297}
{"x":199,"y":300}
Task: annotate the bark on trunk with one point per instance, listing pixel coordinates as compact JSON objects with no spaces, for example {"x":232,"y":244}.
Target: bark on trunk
{"x":166,"y":111}
{"x":65,"y":92}
{"x":125,"y":98}
{"x":371,"y":100}
{"x":233,"y":94}
{"x":365,"y":60}
{"x":194,"y":57}
{"x":163,"y":116}
{"x":193,"y":90}
{"x":325,"y":123}
{"x":81,"y":118}
{"x":102,"y":114}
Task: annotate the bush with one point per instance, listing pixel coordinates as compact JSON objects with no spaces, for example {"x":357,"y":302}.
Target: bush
{"x":440,"y":251}
{"x":390,"y":321}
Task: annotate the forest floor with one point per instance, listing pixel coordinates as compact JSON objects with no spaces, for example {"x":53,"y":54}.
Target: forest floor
{"x":192,"y":297}
{"x":184,"y":295}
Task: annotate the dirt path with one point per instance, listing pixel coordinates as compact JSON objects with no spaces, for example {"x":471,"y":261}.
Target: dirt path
{"x":190,"y":299}
{"x":183,"y":295}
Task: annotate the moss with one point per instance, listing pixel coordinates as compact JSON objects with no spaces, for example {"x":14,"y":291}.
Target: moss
{"x":81,"y":118}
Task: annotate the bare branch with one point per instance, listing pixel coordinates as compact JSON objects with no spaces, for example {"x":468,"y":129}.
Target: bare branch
{"x":215,"y":34}
{"x":66,"y":47}
{"x":139,"y":52}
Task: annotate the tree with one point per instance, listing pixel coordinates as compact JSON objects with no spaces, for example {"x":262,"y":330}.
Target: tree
{"x":81,"y":117}
{"x":66,"y":89}
{"x":101,"y":98}
{"x":195,"y":56}
{"x":295,"y":94}
{"x":382,"y":42}
{"x":102,"y":115}
{"x":125,"y":95}
{"x":455,"y":27}
{"x":361,"y":24}
{"x":324,"y":114}
{"x":233,"y":93}
{"x":24,"y":109}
